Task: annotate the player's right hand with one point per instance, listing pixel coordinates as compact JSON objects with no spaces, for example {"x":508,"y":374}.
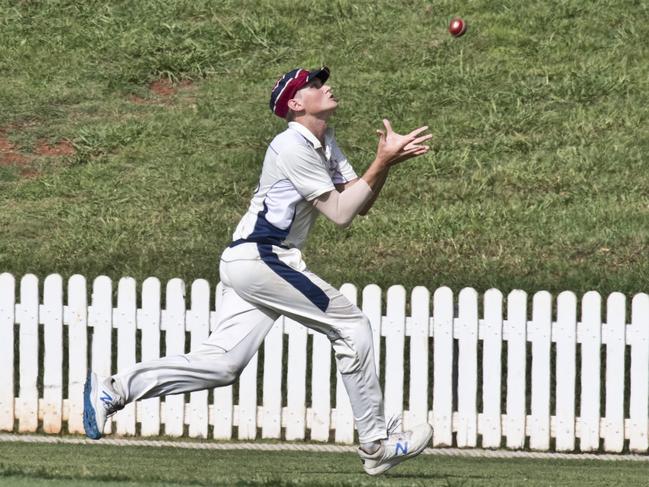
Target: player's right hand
{"x":394,"y":148}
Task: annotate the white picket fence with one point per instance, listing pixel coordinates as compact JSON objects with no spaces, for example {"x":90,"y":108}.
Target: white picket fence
{"x":477,"y":395}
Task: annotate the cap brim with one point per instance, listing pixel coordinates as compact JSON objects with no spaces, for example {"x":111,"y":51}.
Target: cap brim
{"x":322,"y":74}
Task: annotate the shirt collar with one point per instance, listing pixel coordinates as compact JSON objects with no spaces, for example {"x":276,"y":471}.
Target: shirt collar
{"x":308,"y":135}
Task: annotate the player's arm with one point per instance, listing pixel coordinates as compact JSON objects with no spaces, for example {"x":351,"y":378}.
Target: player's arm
{"x":375,"y":192}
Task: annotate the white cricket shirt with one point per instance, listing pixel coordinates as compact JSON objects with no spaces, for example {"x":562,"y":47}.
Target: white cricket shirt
{"x":297,"y":169}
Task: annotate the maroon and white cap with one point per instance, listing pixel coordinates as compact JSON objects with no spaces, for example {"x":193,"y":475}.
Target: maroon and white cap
{"x":287,"y":86}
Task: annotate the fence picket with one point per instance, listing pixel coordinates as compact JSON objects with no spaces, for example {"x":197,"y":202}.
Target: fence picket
{"x":639,"y":394}
{"x":296,"y":381}
{"x":248,"y":400}
{"x":443,"y":367}
{"x":100,"y":318}
{"x":615,"y":344}
{"x":77,"y":350}
{"x":125,"y":322}
{"x":52,"y":319}
{"x":541,"y":336}
{"x":591,"y":340}
{"x":344,"y":416}
{"x":174,"y":324}
{"x":28,"y":392}
{"x":491,"y":425}
{"x":395,"y":333}
{"x":198,"y":321}
{"x":223,"y":408}
{"x":467,"y":385}
{"x":320,"y":388}
{"x":7,"y":337}
{"x":516,"y":368}
{"x":372,"y":309}
{"x":420,"y":319}
{"x":566,"y":371}
{"x":271,"y":426}
{"x":149,"y":322}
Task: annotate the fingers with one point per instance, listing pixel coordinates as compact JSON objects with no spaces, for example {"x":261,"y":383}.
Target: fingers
{"x":410,"y":149}
{"x":404,"y":156}
{"x":388,"y":126}
{"x":414,"y":152}
{"x":416,"y":132}
{"x":418,"y":141}
{"x":421,"y":139}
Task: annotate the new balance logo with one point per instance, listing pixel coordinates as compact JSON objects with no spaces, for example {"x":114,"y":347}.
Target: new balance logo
{"x":401,"y":447}
{"x":106,"y":399}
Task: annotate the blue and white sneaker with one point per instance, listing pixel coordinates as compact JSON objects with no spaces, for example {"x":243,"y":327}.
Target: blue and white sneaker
{"x":396,"y":448}
{"x":100,"y":401}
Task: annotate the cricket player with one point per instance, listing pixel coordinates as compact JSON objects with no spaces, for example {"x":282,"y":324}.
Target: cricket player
{"x":264,"y":276}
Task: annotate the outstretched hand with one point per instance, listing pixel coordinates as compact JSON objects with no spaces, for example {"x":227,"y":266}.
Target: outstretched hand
{"x":395,"y":148}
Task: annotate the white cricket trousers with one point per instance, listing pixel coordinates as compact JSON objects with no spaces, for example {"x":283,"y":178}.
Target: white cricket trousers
{"x":261,"y":283}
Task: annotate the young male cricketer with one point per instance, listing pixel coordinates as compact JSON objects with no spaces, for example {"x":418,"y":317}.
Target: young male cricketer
{"x":304,"y":173}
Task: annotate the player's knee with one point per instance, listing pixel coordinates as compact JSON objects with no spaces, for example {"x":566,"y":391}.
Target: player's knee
{"x":361,"y":334}
{"x":230,"y":372}
{"x":223,"y":367}
{"x":354,"y":348}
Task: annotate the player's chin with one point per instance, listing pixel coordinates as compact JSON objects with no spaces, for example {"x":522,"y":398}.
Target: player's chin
{"x":329,"y":109}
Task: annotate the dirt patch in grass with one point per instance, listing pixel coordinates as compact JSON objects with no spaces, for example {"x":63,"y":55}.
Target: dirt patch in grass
{"x":162,"y":90}
{"x":8,"y":153}
{"x":61,"y":148}
{"x":165,"y":87}
{"x":29,"y":172}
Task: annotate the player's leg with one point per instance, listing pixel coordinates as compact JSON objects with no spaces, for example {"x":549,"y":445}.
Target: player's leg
{"x":354,"y":353}
{"x":285,"y":286}
{"x":222,"y":357}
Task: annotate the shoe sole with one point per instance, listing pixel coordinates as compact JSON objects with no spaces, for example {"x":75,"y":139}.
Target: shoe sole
{"x":89,"y":418}
{"x":384,"y":468}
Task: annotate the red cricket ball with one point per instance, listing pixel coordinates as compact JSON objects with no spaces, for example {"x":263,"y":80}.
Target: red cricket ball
{"x":457,"y":27}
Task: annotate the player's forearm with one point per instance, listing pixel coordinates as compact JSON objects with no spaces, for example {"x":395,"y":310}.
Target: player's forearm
{"x":378,"y":180}
{"x":376,"y":174}
{"x":341,"y":208}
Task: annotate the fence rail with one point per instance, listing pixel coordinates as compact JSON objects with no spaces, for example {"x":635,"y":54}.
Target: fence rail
{"x":491,"y":371}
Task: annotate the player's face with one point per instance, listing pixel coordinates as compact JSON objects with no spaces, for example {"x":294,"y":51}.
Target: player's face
{"x":317,"y":98}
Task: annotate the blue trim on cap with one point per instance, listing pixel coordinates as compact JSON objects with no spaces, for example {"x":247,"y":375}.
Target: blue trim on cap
{"x":295,"y":278}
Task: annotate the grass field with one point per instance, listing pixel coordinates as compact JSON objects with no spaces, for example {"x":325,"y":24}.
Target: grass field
{"x":26,"y":465}
{"x":131,"y":137}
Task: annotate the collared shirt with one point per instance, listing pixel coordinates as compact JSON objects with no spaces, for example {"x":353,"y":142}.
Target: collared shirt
{"x":297,"y":169}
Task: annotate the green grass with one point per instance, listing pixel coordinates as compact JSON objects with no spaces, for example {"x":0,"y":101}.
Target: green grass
{"x":537,"y":179}
{"x":76,"y":465}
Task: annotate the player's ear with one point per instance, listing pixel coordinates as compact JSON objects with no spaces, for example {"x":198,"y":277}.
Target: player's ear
{"x":295,"y":104}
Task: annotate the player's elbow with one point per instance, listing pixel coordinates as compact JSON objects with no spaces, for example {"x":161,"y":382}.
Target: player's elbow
{"x":343,"y":222}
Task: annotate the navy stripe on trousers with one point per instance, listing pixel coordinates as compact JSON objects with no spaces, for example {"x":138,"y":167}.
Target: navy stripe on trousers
{"x":295,"y":278}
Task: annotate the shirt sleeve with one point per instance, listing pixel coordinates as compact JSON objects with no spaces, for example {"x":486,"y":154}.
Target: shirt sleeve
{"x":306,"y":172}
{"x":344,"y":172}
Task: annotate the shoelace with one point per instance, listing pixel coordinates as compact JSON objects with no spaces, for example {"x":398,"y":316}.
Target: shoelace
{"x":115,"y":404}
{"x":393,"y":424}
